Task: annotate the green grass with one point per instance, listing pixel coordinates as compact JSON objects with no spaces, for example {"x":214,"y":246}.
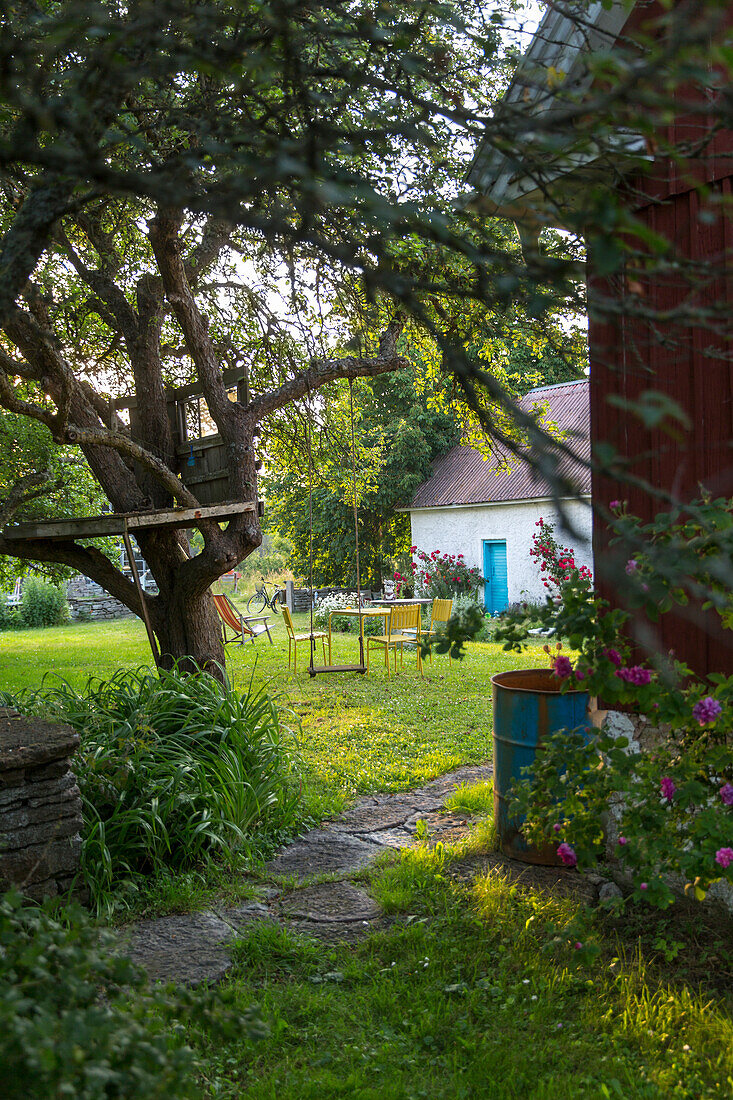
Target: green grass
{"x":479,"y":990}
{"x":359,"y":733}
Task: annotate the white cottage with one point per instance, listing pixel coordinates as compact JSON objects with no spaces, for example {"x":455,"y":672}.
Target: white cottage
{"x":466,"y":508}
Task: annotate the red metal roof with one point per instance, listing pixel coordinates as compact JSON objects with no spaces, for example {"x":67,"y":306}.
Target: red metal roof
{"x":463,"y":476}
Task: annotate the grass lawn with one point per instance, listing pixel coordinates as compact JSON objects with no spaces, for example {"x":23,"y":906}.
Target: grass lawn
{"x":359,"y":733}
{"x":480,"y":989}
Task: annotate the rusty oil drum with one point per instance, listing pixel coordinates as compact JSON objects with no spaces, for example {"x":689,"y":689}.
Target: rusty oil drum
{"x":528,"y":706}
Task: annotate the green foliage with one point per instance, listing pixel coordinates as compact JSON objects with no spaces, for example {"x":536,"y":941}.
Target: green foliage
{"x":77,"y":1019}
{"x":673,"y":806}
{"x":43,"y":604}
{"x":397,"y":437}
{"x":173,"y":770}
{"x":472,"y":798}
{"x":9,"y":616}
{"x":464,"y":625}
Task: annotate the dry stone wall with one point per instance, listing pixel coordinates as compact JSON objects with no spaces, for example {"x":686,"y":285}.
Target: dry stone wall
{"x":40,"y":806}
{"x":97,"y":607}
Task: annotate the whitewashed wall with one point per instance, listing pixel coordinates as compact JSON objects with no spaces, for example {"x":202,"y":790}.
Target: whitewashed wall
{"x":462,"y":528}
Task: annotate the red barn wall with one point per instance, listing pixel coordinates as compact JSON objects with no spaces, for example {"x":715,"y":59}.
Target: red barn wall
{"x":690,"y":363}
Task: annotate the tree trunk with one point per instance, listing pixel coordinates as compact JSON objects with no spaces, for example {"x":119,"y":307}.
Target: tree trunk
{"x":188,"y":630}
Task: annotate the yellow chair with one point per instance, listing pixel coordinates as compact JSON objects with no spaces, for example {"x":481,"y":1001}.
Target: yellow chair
{"x":440,"y":613}
{"x":294,"y":638}
{"x":403,"y":628}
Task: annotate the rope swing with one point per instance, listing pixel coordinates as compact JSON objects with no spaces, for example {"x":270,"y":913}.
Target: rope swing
{"x":313,"y":669}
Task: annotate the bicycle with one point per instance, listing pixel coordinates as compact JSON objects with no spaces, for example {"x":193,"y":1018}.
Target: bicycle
{"x":261,"y":599}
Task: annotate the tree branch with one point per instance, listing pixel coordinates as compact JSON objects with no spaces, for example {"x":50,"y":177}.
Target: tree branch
{"x":164,"y":237}
{"x":327,"y":370}
{"x":85,"y":559}
{"x":26,"y":488}
{"x":126,"y":446}
{"x":26,"y":239}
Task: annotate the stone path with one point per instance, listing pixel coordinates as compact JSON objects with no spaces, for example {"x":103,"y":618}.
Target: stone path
{"x":195,"y":947}
{"x":309,"y":889}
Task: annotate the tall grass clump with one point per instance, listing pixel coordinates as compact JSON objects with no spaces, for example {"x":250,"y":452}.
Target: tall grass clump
{"x":174,"y":770}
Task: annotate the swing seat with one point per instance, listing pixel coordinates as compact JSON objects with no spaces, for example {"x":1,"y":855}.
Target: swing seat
{"x":316,"y":670}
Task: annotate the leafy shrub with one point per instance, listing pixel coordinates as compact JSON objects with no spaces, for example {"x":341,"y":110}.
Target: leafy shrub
{"x":173,"y":770}
{"x":461,"y":606}
{"x":9,"y":616}
{"x":444,"y":575}
{"x":43,"y":604}
{"x":556,"y":562}
{"x":60,"y":1038}
{"x":327,"y":604}
{"x":672,"y":807}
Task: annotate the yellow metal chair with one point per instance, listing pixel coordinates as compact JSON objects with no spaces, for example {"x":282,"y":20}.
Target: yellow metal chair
{"x":440,"y":613}
{"x":294,"y":638}
{"x":403,"y":629}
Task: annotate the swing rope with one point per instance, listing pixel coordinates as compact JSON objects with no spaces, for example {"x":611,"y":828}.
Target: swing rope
{"x":309,"y":433}
{"x":361,"y":667}
{"x":356,"y":521}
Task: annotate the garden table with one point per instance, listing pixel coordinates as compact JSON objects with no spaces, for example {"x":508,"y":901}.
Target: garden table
{"x":397,"y":603}
{"x":364,"y":613}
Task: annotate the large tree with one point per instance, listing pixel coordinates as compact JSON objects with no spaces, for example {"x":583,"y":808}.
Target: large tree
{"x":171,"y":176}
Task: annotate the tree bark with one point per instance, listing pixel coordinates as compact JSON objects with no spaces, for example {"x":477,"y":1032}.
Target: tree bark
{"x":188,"y":630}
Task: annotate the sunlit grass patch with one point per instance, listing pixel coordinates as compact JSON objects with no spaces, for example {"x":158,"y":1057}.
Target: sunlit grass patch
{"x":476,"y":991}
{"x":267,"y":950}
{"x":472,"y":798}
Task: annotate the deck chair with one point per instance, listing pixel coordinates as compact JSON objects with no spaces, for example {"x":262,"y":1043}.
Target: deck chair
{"x":403,"y":629}
{"x":242,"y":626}
{"x":294,"y":638}
{"x":440,"y":613}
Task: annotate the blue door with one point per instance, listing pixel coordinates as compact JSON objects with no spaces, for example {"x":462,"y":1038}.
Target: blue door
{"x":496,"y":592}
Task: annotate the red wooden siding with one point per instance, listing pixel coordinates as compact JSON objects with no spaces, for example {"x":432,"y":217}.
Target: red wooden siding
{"x":691,"y":364}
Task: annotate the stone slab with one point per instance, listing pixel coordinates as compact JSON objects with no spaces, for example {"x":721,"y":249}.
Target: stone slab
{"x":563,"y":881}
{"x":39,"y":832}
{"x":41,"y":861}
{"x":64,"y":806}
{"x":333,"y":932}
{"x":367,"y":819}
{"x":340,"y":902}
{"x":190,"y":948}
{"x":27,"y":742}
{"x":243,"y":916}
{"x":392,"y":838}
{"x":323,"y":850}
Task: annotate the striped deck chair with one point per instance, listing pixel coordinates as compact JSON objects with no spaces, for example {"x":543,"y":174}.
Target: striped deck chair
{"x":250,"y":626}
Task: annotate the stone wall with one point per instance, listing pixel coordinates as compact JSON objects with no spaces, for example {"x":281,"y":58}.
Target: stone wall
{"x":40,"y":806}
{"x":97,"y":607}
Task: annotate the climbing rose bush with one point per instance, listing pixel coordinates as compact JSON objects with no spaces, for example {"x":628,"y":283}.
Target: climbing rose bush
{"x":442,"y":576}
{"x":670,"y":808}
{"x":556,"y":563}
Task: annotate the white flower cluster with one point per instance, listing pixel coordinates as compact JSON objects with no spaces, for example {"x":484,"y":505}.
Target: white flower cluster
{"x":327,"y":604}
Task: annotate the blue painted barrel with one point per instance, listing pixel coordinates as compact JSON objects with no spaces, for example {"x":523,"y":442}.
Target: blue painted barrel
{"x":528,"y":706}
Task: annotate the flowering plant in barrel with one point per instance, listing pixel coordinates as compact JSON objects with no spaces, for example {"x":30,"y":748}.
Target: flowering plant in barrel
{"x":671,"y":805}
{"x":442,"y":576}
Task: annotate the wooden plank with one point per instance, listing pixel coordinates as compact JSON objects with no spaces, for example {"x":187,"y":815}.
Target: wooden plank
{"x":88,"y":527}
{"x":315,"y":670}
